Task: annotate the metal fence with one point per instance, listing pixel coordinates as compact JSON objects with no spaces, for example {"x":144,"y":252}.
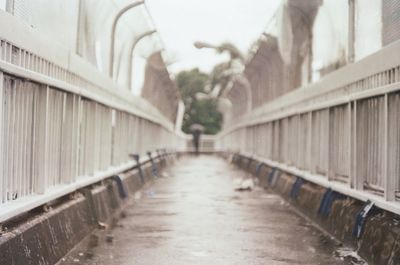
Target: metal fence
{"x":63,"y":124}
{"x":342,"y":131}
{"x":206,"y":144}
{"x":307,"y":40}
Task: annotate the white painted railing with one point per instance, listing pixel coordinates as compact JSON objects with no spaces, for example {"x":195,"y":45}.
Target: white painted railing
{"x":342,"y":131}
{"x":206,"y":144}
{"x":63,"y":125}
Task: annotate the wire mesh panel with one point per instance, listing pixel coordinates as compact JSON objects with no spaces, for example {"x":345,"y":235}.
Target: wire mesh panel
{"x":330,"y":37}
{"x":390,"y":21}
{"x":368,"y":27}
{"x":239,"y":98}
{"x":38,"y":14}
{"x":265,"y":72}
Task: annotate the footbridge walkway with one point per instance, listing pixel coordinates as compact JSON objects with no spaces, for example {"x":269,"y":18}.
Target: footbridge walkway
{"x":313,"y":117}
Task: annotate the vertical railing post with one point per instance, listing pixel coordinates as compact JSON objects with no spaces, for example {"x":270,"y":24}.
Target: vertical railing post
{"x":309,"y":147}
{"x":388,"y":181}
{"x":154,"y":169}
{"x":77,"y":123}
{"x":2,"y":175}
{"x":96,"y":135}
{"x":299,"y":129}
{"x":65,"y":143}
{"x":349,"y":147}
{"x":357,"y":179}
{"x":40,"y":171}
{"x":139,"y":167}
{"x":329,"y":151}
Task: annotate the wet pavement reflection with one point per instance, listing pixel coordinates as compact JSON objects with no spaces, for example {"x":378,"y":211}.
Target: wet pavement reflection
{"x":194,"y":215}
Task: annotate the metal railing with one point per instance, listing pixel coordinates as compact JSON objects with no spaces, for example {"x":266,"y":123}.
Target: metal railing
{"x":63,"y":124}
{"x":206,"y":144}
{"x":341,"y":132}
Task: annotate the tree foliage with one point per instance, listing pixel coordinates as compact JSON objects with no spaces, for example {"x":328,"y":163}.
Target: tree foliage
{"x":201,"y":111}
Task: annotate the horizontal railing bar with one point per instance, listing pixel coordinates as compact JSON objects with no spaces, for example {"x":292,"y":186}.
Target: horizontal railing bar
{"x":95,"y":115}
{"x":378,"y":62}
{"x":370,"y":93}
{"x":110,"y":100}
{"x":391,"y":206}
{"x":24,"y":37}
{"x":14,"y":208}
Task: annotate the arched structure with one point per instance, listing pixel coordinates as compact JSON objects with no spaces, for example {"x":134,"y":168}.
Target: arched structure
{"x":113,"y":28}
{"x":131,"y":51}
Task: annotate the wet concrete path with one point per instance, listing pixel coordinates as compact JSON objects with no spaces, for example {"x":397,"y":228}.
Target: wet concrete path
{"x":193,"y":215}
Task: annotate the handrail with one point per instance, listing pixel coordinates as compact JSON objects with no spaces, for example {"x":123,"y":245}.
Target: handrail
{"x":339,"y":131}
{"x":14,"y":208}
{"x":374,"y":64}
{"x":64,"y":125}
{"x":28,"y":39}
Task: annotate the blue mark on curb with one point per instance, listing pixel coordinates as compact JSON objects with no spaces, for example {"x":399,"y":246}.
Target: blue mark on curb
{"x":154,"y":169}
{"x":234,"y":158}
{"x":367,"y":209}
{"x":327,"y":200}
{"x":296,"y":188}
{"x":249,"y":162}
{"x":271,"y":176}
{"x":138,"y":165}
{"x":120,"y":185}
{"x":258,"y":168}
{"x":239,"y":160}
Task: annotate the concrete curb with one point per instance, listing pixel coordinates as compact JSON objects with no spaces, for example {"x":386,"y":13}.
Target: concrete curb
{"x":379,"y":240}
{"x":46,"y":237}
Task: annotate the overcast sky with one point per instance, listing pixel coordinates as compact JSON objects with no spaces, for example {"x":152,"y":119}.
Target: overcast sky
{"x":182,"y":22}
